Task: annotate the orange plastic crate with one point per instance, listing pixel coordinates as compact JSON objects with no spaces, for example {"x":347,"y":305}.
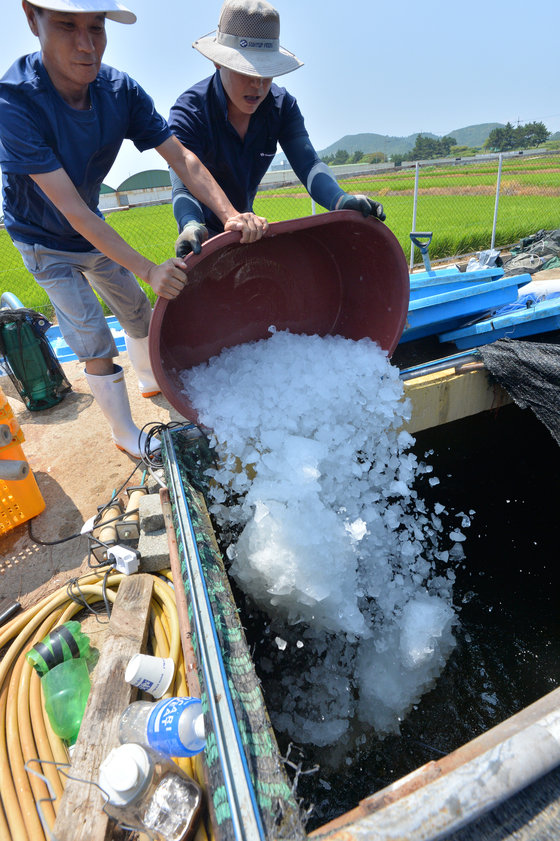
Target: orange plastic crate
{"x":7,"y":417}
{"x":19,"y":500}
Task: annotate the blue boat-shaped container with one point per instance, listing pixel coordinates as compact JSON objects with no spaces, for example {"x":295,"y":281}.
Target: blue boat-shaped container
{"x":63,"y":352}
{"x":541,"y":317}
{"x":437,"y":311}
{"x":445,"y":280}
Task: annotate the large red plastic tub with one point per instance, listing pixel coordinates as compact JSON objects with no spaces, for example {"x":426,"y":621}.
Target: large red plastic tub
{"x":337,"y":273}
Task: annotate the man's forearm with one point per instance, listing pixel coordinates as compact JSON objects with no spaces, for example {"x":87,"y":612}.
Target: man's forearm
{"x":197,"y":178}
{"x":58,"y":187}
{"x":110,"y":243}
{"x":185,"y":207}
{"x":167,"y":279}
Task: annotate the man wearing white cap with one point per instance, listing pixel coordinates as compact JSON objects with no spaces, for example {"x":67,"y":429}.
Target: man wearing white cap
{"x":63,"y":118}
{"x":234,"y":120}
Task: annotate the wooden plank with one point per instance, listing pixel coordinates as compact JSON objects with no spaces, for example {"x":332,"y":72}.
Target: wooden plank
{"x":81,"y":815}
{"x":450,"y":395}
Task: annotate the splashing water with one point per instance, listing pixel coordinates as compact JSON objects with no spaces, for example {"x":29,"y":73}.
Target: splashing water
{"x":334,"y":542}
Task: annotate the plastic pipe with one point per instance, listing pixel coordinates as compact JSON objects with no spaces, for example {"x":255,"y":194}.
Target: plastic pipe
{"x":455,"y":361}
{"x":10,"y":301}
{"x":6,"y":436}
{"x":12,"y":470}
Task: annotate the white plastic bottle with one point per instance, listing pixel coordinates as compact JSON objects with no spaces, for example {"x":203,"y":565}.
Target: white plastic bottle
{"x":172,"y":726}
{"x":150,"y":793}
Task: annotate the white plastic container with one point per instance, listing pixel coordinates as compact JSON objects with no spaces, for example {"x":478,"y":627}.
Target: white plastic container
{"x":150,"y":793}
{"x":150,"y":674}
{"x":172,"y":726}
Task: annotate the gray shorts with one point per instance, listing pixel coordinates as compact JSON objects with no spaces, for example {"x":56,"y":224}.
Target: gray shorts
{"x":69,"y":279}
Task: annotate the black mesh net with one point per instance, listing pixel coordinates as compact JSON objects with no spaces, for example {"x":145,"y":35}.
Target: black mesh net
{"x":530,"y":373}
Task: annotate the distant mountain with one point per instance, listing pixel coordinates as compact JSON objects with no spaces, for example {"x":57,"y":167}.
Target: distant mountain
{"x":374,"y":143}
{"x":467,"y":136}
{"x":474,"y":135}
{"x":390,"y":145}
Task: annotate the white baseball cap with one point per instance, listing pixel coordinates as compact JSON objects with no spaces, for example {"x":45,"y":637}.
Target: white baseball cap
{"x":247,"y":40}
{"x":113,"y":10}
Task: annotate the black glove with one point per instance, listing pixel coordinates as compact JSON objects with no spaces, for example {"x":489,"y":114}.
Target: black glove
{"x":190,"y":239}
{"x":366,"y":206}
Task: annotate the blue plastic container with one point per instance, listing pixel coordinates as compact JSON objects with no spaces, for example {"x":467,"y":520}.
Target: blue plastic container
{"x":444,"y":280}
{"x":540,"y":318}
{"x":432,"y":314}
{"x":63,"y":352}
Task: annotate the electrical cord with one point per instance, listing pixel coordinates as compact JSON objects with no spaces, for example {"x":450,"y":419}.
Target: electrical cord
{"x":81,"y":600}
{"x":115,"y":495}
{"x":61,"y":540}
{"x":150,"y":461}
{"x":152,"y":431}
{"x":93,"y":544}
{"x":40,"y":542}
{"x":153,"y":461}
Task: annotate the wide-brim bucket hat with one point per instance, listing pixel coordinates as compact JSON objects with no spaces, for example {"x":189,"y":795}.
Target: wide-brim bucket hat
{"x":248,"y":40}
{"x":113,"y":10}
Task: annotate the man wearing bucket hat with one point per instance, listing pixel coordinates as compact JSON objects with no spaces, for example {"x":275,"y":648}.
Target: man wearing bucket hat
{"x":233,"y":121}
{"x":63,"y":118}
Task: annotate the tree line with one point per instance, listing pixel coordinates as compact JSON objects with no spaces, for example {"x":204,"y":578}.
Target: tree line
{"x":521,"y":137}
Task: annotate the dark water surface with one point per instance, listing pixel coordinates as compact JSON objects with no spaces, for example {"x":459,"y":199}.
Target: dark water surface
{"x":505,"y":468}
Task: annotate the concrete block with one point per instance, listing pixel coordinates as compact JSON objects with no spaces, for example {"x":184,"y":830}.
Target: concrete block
{"x":154,"y":552}
{"x":151,"y":515}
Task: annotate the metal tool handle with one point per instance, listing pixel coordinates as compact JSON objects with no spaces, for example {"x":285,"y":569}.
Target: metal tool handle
{"x":423,"y":246}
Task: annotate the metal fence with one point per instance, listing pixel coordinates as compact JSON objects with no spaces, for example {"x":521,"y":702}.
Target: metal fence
{"x":469,"y":204}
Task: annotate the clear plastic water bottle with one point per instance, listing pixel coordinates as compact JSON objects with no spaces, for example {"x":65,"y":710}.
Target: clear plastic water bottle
{"x":150,"y":793}
{"x":172,"y":726}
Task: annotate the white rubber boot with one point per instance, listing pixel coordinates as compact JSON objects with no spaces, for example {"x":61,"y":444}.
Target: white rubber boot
{"x":111,"y":395}
{"x":138,"y":352}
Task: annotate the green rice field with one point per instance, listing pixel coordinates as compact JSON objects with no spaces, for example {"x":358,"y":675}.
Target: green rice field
{"x":456,"y":203}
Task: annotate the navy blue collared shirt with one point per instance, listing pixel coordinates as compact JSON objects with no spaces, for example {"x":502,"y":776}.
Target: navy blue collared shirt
{"x":199,"y":119}
{"x":40,"y":132}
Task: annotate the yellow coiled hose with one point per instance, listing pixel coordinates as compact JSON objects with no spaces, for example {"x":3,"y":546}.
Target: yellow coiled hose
{"x":25,"y":731}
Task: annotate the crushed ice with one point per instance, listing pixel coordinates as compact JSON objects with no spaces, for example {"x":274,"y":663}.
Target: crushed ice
{"x":335,"y":543}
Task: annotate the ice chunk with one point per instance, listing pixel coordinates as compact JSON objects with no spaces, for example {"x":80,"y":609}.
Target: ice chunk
{"x":424,"y":621}
{"x":331,"y":538}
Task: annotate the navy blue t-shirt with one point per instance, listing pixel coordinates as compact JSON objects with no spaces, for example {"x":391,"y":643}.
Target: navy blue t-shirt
{"x":40,"y":132}
{"x":199,"y":119}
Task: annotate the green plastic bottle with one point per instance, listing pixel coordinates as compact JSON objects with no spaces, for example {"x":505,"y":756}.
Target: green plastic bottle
{"x":65,"y":642}
{"x":60,"y":660}
{"x":65,"y":689}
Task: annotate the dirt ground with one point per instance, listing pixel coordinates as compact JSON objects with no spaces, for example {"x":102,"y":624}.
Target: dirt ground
{"x":77,"y":467}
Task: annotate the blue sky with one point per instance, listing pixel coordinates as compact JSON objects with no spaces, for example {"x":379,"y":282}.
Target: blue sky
{"x":388,"y":68}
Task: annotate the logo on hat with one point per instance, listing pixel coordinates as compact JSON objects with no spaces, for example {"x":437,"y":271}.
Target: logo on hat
{"x":243,"y":43}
